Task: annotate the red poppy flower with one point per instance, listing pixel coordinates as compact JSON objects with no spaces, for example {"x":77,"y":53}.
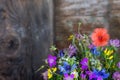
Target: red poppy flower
{"x":100,"y":37}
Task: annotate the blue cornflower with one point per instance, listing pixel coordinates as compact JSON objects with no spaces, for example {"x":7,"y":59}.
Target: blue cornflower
{"x":99,"y":75}
{"x":67,"y":68}
{"x":95,"y":51}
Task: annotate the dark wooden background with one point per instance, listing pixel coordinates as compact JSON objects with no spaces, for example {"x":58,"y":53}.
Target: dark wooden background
{"x":25,"y":37}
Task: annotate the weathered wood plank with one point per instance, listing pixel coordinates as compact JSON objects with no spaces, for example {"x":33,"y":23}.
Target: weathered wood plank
{"x":25,"y":37}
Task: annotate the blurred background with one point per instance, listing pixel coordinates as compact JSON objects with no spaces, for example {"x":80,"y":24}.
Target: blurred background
{"x":29,"y":27}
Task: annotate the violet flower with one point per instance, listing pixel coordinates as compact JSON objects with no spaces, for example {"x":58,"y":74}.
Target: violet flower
{"x":78,"y":36}
{"x":51,"y":60}
{"x":72,"y":50}
{"x":83,"y":76}
{"x":115,"y":43}
{"x":84,"y":63}
{"x":68,"y":77}
{"x":116,"y":76}
{"x":98,"y":75}
{"x":118,"y":64}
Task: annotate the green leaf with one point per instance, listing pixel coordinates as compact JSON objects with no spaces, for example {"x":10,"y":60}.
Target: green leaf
{"x":53,"y":48}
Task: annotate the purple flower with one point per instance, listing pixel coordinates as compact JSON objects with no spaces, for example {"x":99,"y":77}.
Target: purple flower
{"x":116,"y":76}
{"x":84,"y":63}
{"x":51,"y":60}
{"x":83,"y":75}
{"x":78,"y":36}
{"x":118,"y":64}
{"x":72,"y":50}
{"x":68,"y":77}
{"x":115,"y":43}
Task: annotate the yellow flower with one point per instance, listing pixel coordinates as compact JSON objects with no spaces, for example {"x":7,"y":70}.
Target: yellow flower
{"x":70,"y":37}
{"x":49,"y":74}
{"x":108,"y":52}
{"x":51,"y":71}
{"x":111,"y":57}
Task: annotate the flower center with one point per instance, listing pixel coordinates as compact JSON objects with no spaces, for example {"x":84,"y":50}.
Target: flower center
{"x":68,"y":67}
{"x":51,"y":60}
{"x":100,"y":38}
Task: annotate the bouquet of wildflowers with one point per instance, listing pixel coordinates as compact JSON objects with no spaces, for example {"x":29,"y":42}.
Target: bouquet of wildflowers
{"x":91,"y":57}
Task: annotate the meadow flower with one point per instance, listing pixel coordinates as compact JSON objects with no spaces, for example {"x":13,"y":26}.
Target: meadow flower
{"x":51,"y":60}
{"x":84,"y":63}
{"x":68,"y":77}
{"x":100,"y":37}
{"x":94,"y":51}
{"x":67,"y":68}
{"x":95,"y":63}
{"x":61,"y":53}
{"x":115,"y":42}
{"x":108,"y":53}
{"x":83,"y":76}
{"x":72,"y":50}
{"x":78,"y":36}
{"x":118,"y":64}
{"x":116,"y":76}
{"x":51,"y":71}
{"x":70,"y":37}
{"x":99,"y":75}
{"x":75,"y":73}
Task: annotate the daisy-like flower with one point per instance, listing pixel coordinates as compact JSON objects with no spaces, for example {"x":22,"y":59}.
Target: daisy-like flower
{"x":68,"y":77}
{"x":100,"y":37}
{"x":51,"y":60}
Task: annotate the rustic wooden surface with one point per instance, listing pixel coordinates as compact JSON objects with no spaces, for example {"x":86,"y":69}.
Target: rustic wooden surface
{"x":25,"y":37}
{"x":92,"y":14}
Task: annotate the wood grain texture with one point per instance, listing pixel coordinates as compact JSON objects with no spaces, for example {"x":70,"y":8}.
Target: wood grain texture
{"x":25,"y":37}
{"x":68,"y":13}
